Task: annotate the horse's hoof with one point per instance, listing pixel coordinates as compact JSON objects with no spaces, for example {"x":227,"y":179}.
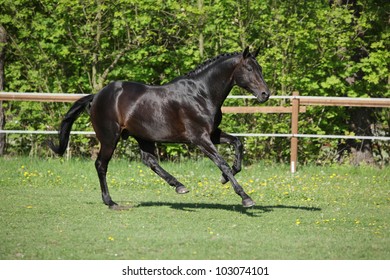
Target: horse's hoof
{"x":114,"y":206}
{"x":248,"y":202}
{"x":224,"y":180}
{"x":181,"y":190}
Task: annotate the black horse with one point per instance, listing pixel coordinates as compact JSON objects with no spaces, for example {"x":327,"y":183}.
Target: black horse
{"x":186,"y":110}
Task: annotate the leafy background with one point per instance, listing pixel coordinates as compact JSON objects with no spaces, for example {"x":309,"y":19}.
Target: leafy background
{"x":319,"y":48}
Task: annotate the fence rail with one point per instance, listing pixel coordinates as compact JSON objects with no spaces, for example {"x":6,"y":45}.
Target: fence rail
{"x":297,"y":106}
{"x":304,"y":100}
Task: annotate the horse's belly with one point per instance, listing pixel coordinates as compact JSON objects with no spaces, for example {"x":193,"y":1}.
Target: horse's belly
{"x":156,"y":130}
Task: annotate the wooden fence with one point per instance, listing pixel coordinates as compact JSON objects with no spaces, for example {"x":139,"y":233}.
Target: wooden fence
{"x":297,"y":105}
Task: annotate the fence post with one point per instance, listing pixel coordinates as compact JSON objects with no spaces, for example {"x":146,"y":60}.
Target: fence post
{"x":294,"y":130}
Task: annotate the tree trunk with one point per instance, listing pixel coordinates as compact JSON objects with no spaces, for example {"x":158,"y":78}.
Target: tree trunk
{"x":360,"y":119}
{"x":201,"y":39}
{"x":360,"y":123}
{"x":3,"y":41}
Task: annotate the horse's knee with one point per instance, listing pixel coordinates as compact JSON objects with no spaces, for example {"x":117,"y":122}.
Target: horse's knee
{"x":238,"y":143}
{"x":234,"y":140}
{"x":226,"y":170}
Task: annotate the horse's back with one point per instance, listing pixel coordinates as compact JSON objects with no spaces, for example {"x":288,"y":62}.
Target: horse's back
{"x":113,"y":89}
{"x":167,"y":113}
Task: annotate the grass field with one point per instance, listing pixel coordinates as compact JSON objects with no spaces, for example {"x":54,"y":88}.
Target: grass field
{"x":52,"y":209}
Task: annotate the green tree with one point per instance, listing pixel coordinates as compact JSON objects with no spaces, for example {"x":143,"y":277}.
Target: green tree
{"x":321,"y":48}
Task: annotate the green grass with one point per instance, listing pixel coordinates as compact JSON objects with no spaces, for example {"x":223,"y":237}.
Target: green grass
{"x":52,"y":209}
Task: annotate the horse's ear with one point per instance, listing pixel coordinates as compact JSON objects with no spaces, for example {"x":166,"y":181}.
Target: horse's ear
{"x":246,"y":53}
{"x":256,"y":52}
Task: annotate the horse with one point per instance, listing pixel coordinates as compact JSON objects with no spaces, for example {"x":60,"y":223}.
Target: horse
{"x":185,"y":110}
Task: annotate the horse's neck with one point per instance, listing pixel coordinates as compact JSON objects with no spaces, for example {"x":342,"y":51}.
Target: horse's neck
{"x":218,"y":80}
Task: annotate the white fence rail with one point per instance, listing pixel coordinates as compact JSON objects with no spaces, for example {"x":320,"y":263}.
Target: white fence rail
{"x":91,"y":133}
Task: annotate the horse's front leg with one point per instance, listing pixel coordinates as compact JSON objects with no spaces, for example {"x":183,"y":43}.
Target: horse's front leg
{"x":209,"y":149}
{"x":220,"y":137}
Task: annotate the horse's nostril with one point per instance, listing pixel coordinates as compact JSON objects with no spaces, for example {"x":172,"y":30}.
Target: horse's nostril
{"x":265,"y":95}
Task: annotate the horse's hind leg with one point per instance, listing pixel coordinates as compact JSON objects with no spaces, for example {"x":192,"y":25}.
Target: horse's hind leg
{"x":220,"y":137}
{"x":149,"y":159}
{"x":108,"y":142}
{"x":101,"y":165}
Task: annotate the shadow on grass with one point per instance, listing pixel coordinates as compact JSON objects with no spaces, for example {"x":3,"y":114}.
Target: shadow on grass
{"x":252,"y":211}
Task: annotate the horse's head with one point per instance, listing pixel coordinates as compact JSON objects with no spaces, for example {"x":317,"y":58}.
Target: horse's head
{"x":248,"y":75}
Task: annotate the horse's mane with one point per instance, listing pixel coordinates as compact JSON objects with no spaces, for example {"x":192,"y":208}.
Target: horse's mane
{"x":208,"y":62}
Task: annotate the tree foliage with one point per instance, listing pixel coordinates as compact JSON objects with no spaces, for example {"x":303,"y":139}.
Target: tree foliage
{"x":320,"y":48}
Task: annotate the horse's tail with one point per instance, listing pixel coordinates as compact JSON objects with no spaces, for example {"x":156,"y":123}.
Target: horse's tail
{"x":66,"y":124}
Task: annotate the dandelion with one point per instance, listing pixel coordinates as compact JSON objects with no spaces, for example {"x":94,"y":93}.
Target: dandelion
{"x":111,"y":238}
{"x":58,"y":179}
{"x":297,"y":222}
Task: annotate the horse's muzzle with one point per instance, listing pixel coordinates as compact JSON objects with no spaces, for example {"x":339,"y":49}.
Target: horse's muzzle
{"x":263,"y":96}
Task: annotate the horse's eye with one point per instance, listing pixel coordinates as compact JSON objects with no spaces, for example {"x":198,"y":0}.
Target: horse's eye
{"x":249,"y":68}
